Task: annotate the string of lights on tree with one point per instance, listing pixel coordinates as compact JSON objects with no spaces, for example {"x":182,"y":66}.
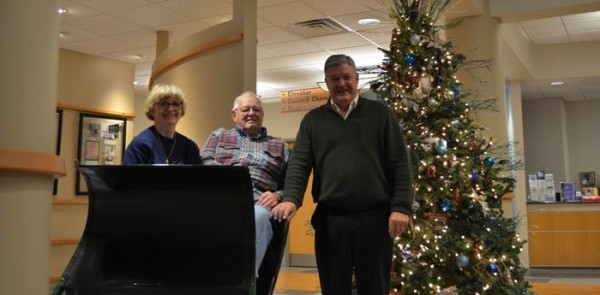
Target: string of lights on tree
{"x":458,"y":242}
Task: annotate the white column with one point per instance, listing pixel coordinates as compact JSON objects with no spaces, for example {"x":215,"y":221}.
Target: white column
{"x":29,"y":59}
{"x":479,"y":38}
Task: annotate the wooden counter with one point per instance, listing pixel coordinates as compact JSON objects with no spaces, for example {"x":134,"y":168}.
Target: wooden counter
{"x":564,"y":234}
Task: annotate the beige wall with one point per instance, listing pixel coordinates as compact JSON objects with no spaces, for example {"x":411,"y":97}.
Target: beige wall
{"x":213,"y":78}
{"x":96,"y":82}
{"x":89,"y":82}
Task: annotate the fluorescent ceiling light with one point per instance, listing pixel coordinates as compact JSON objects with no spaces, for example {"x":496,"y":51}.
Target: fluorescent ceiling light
{"x":62,"y":10}
{"x":557,"y":83}
{"x":369,"y":21}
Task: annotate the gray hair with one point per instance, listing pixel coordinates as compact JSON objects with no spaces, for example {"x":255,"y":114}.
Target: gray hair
{"x":236,"y":101}
{"x":338,"y":60}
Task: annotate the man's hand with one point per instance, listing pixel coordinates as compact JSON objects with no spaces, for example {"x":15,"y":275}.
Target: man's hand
{"x":283,"y":211}
{"x":397,"y":224}
{"x":269,"y":199}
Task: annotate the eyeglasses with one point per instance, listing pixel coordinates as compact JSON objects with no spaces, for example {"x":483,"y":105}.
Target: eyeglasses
{"x":165,"y":105}
{"x":247,"y":109}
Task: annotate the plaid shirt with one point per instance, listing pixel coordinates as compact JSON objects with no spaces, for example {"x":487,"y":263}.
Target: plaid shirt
{"x":265,"y":156}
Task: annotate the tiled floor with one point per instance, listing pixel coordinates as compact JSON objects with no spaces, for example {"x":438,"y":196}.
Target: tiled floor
{"x":291,"y":277}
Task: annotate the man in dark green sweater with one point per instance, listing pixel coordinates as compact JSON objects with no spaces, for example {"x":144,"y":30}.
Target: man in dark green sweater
{"x":362,"y":183}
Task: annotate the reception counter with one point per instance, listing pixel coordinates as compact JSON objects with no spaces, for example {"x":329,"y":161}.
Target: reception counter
{"x":564,"y":234}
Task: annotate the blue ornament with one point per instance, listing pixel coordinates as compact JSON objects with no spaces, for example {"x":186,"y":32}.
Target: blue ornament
{"x":439,"y":53}
{"x":446,"y":206}
{"x":462,"y":260}
{"x":455,"y":123}
{"x":409,"y":59}
{"x":415,"y":206}
{"x":492,"y":268}
{"x":490,"y":242}
{"x":456,"y":90}
{"x":489,"y":162}
{"x":439,"y":79}
{"x":442,"y":148}
{"x":475,"y":175}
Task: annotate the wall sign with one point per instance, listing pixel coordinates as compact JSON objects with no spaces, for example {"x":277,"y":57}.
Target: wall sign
{"x":303,"y":99}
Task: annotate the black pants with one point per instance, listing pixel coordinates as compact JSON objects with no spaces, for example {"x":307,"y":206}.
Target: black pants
{"x":353,"y":241}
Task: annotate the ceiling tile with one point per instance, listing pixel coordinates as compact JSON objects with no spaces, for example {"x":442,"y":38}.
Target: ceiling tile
{"x":288,"y":13}
{"x":151,"y":15}
{"x":262,"y":24}
{"x":112,"y":5}
{"x":292,"y":47}
{"x":568,"y":93}
{"x":276,"y":63}
{"x":134,"y":56}
{"x":351,"y":20}
{"x":333,"y":8}
{"x":264,"y":3}
{"x":104,"y":45}
{"x":339,"y":41}
{"x":292,"y":72}
{"x":76,"y":11}
{"x":313,"y":58}
{"x":585,"y":36}
{"x":274,"y":35}
{"x":75,"y":33}
{"x":104,"y":24}
{"x":143,"y":37}
{"x":581,"y":17}
{"x":196,"y":9}
{"x":550,"y":39}
{"x":544,"y":29}
{"x":215,"y":20}
{"x":262,"y":53}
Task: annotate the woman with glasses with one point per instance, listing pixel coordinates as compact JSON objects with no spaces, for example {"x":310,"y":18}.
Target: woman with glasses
{"x":160,"y":143}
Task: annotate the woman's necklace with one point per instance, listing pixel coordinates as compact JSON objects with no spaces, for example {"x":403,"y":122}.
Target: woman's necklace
{"x":162,"y":148}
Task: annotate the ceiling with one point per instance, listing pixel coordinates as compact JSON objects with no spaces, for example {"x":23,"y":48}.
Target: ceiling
{"x":125,"y":30}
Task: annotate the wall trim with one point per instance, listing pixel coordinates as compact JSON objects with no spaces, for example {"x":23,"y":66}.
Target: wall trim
{"x":62,"y":106}
{"x":32,"y":162}
{"x":82,"y":201}
{"x":195,"y":51}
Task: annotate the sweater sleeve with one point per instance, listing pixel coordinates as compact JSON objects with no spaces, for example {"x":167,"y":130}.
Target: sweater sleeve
{"x":400,"y":172}
{"x":138,"y":151}
{"x":299,"y":165}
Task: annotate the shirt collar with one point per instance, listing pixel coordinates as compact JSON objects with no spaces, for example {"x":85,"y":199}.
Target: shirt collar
{"x":261,"y":134}
{"x":351,"y":107}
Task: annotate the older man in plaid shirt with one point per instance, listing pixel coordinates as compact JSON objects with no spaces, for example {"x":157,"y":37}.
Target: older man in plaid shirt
{"x":265,"y":156}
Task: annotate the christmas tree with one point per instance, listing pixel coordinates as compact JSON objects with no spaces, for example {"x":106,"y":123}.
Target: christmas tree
{"x":458,"y":242}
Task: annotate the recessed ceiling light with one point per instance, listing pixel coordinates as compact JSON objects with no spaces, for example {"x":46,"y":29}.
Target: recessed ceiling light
{"x":369,"y":21}
{"x":64,"y":34}
{"x":557,"y":83}
{"x":62,"y":10}
{"x":135,"y":83}
{"x":138,"y":56}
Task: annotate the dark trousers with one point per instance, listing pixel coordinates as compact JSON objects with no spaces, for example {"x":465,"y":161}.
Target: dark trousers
{"x":347,"y":242}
